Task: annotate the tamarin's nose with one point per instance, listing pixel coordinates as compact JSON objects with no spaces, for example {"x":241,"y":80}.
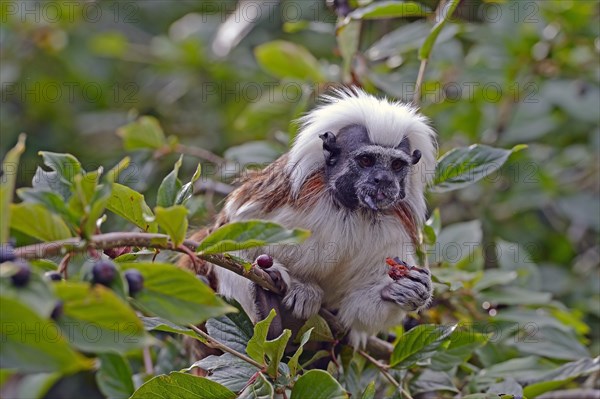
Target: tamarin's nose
{"x":382,"y":179}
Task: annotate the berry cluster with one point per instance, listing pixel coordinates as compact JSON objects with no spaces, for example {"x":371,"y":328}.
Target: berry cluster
{"x":105,"y":271}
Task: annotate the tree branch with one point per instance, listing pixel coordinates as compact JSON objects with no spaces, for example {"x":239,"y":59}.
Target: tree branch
{"x":376,"y":346}
{"x":199,"y":153}
{"x":147,"y":240}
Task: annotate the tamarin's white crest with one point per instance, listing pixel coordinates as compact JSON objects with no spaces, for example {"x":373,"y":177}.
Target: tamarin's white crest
{"x":355,"y":177}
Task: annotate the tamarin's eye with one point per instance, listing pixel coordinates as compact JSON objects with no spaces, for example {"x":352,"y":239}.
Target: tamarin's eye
{"x":366,"y":161}
{"x":397,"y":165}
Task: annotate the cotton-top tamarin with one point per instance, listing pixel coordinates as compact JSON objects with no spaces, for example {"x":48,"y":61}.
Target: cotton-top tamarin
{"x":355,"y":177}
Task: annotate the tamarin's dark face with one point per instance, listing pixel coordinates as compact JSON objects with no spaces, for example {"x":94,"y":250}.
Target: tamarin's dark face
{"x":362,"y":174}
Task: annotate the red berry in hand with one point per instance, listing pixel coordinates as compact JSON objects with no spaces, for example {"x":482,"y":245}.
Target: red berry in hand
{"x":135,"y":281}
{"x":104,"y":272}
{"x":395,"y":274}
{"x":21,"y":277}
{"x":264,"y":261}
{"x":398,"y":268}
{"x":54,"y":276}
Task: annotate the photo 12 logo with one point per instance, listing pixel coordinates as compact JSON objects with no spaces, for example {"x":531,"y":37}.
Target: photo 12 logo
{"x":55,"y":12}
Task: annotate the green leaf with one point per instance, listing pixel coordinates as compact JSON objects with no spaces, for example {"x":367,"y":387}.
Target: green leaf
{"x":446,"y":14}
{"x":369,"y":392}
{"x":112,"y":175}
{"x":228,"y":370}
{"x":390,"y":9}
{"x":95,"y":319}
{"x":36,"y":294}
{"x":185,"y":193}
{"x":285,"y":59}
{"x":173,"y":221}
{"x":66,"y":165}
{"x":522,"y":369}
{"x":348,"y":39}
{"x":318,"y":384}
{"x":49,"y":199}
{"x":293,"y":363}
{"x":321,"y":330}
{"x":38,"y":222}
{"x":175,"y":294}
{"x":461,"y":345}
{"x":418,"y":344}
{"x":256,"y":345}
{"x":432,"y":227}
{"x":33,"y":344}
{"x":50,"y":181}
{"x":494,"y":277}
{"x":83,"y":188}
{"x":114,"y":376}
{"x":232,"y":329}
{"x":10,"y":165}
{"x":131,"y":206}
{"x":461,"y":167}
{"x":561,"y":376}
{"x":98,"y":204}
{"x":37,"y":385}
{"x":249,"y":234}
{"x":274,"y":349}
{"x":509,"y":386}
{"x":88,"y":200}
{"x":158,"y":324}
{"x":513,"y":295}
{"x":432,"y":381}
{"x":549,"y":342}
{"x":261,"y":388}
{"x":170,"y":186}
{"x":180,"y":385}
{"x":145,"y":133}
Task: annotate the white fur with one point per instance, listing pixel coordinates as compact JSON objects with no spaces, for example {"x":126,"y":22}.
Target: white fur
{"x":342,"y":265}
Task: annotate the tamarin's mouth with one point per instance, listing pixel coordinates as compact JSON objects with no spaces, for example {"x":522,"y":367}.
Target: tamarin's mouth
{"x":378,"y":199}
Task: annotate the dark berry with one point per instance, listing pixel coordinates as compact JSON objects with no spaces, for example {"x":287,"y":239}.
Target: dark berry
{"x":104,"y":272}
{"x":57,"y":311}
{"x":21,"y":277}
{"x":135,"y":281}
{"x":54,"y":276}
{"x":7,"y":253}
{"x":264,"y":261}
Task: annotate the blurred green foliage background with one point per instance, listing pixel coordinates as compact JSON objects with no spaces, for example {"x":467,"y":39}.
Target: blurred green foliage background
{"x":501,"y":73}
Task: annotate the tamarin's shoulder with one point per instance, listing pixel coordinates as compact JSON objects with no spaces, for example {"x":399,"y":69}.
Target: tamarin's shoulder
{"x":271,"y":187}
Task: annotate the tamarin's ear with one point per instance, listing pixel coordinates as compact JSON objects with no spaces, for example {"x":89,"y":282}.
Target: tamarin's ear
{"x":416,"y":157}
{"x":330,"y":147}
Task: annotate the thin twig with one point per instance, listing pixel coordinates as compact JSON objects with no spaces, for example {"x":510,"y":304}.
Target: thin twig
{"x":191,"y":255}
{"x":64,"y":264}
{"x":383,"y":369}
{"x":213,"y":343}
{"x":199,"y":153}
